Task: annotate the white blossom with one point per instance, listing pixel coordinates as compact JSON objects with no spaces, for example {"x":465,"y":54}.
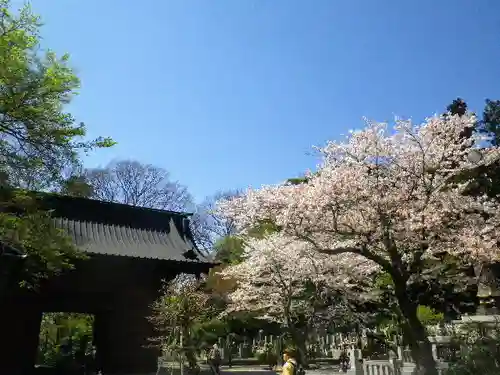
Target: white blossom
{"x":384,"y":194}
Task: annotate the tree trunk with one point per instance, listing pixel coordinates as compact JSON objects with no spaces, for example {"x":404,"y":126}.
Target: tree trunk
{"x":189,"y":352}
{"x":300,"y":343}
{"x":415,"y":333}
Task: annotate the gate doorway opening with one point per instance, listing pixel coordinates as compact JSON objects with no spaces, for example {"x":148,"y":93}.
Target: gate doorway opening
{"x":66,"y":341}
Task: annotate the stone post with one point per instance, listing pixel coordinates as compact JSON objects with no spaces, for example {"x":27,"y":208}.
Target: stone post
{"x":222,"y":348}
{"x":356,"y":363}
{"x":400,"y":353}
{"x":487,"y":290}
{"x":435,"y":351}
{"x":396,"y":364}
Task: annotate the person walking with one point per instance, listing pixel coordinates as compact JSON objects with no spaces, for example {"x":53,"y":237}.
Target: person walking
{"x":214,"y":359}
{"x":344,"y":359}
{"x":291,"y":366}
{"x":90,"y":360}
{"x":230,"y":347}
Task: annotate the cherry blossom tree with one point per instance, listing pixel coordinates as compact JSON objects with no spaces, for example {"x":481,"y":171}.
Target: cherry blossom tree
{"x":284,"y":280}
{"x":388,"y":196}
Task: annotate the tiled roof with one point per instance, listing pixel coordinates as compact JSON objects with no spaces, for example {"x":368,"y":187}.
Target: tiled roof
{"x":110,"y":228}
{"x":110,"y":239}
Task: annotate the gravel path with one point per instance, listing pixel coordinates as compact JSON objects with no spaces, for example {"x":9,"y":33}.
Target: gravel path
{"x":247,"y":370}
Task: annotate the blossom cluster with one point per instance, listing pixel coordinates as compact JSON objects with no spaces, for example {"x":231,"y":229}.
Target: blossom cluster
{"x":385,"y":195}
{"x":275,"y":273}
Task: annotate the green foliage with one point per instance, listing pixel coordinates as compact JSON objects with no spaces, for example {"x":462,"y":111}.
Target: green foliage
{"x":429,"y":316}
{"x":300,"y":180}
{"x":443,"y":288}
{"x":481,"y":356}
{"x":383,"y":281}
{"x":60,"y":329}
{"x":37,"y":134}
{"x":457,"y":107}
{"x":207,"y":333}
{"x":297,"y":180}
{"x":485,"y":178}
{"x":23,"y":225}
{"x":229,"y":250}
{"x":262,"y":229}
{"x":77,"y":186}
{"x":38,"y":139}
{"x":490,"y":124}
{"x":267,"y":355}
{"x":249,"y":324}
{"x":177,"y":316}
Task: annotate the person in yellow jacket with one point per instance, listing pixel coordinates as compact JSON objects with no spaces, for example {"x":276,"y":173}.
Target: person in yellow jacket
{"x":291,"y":366}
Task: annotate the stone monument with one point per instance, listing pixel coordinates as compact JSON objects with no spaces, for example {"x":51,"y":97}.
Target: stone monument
{"x":488,"y":293}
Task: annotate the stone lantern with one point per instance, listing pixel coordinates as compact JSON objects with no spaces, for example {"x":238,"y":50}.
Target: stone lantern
{"x":488,"y":294}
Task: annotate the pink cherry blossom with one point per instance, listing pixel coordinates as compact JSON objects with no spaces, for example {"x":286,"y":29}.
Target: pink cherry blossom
{"x":385,"y":195}
{"x":272,"y":278}
{"x":389,"y":197}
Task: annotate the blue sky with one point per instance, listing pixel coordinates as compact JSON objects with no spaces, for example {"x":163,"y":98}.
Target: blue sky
{"x":231,"y":93}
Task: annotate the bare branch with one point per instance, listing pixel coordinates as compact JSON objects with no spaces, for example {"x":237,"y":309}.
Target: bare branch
{"x":137,"y":184}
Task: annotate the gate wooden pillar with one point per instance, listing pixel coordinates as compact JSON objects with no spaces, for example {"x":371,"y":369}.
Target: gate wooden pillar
{"x":19,"y":334}
{"x":122,"y":337}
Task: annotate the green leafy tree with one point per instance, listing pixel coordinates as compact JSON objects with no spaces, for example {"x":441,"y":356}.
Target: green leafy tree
{"x":229,"y":250}
{"x":38,"y":139}
{"x":457,"y":107}
{"x":77,"y":186}
{"x":177,"y":316}
{"x":36,"y":133}
{"x":58,"y":329}
{"x":480,"y":354}
{"x":24,"y":226}
{"x":490,"y":123}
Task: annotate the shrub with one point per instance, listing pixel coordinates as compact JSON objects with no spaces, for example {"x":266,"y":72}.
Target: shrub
{"x":481,"y":356}
{"x":266,"y":355}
